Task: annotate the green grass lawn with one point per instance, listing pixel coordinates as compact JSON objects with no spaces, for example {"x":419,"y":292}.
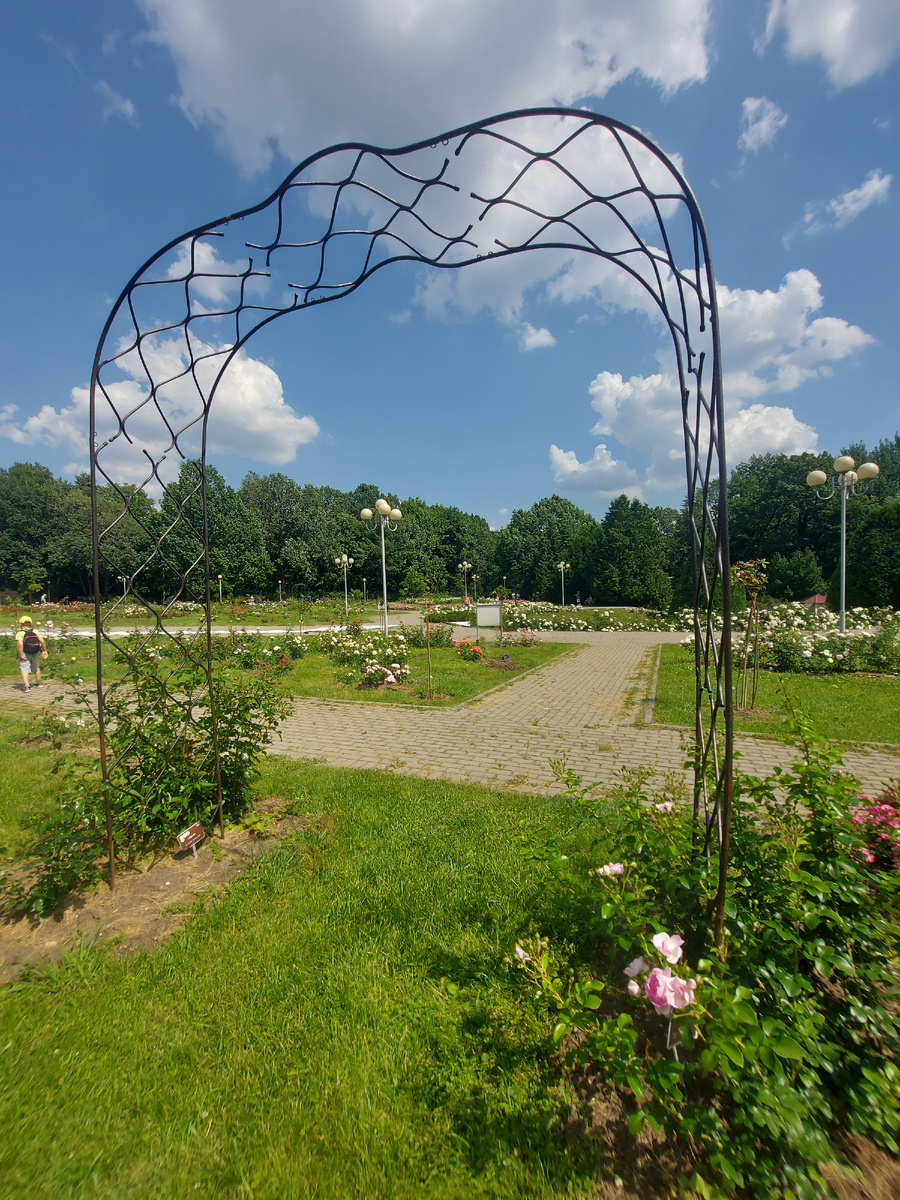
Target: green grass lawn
{"x":454,"y":680}
{"x":289,"y":612}
{"x":26,"y":787}
{"x":845,"y":708}
{"x":344,"y":1023}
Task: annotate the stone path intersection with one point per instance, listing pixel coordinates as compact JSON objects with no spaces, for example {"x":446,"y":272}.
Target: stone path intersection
{"x":589,"y":705}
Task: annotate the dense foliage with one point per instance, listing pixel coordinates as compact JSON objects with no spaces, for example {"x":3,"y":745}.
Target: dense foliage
{"x":757,"y":1055}
{"x":166,"y":778}
{"x":273,"y":534}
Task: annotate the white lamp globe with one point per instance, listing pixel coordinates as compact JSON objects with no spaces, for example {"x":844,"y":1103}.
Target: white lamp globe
{"x":844,"y":463}
{"x":816,"y":478}
{"x":365,"y":514}
{"x":383,"y":508}
{"x":396,"y":514}
{"x":869,"y":471}
{"x":851,"y":477}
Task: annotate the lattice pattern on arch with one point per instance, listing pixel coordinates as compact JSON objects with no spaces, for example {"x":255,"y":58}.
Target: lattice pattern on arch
{"x":610,"y":209}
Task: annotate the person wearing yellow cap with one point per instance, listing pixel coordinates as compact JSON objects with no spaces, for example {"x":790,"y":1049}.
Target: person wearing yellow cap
{"x":31,"y":648}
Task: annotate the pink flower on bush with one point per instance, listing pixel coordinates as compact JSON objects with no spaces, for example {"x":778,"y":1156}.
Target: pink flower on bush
{"x":669,"y":946}
{"x":637,"y":966}
{"x":611,"y":869}
{"x":656,"y":989}
{"x":666,"y":991}
{"x":634,"y":988}
{"x":681,"y":991}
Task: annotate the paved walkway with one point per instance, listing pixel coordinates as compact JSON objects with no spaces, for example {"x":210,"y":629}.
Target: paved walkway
{"x":589,"y":705}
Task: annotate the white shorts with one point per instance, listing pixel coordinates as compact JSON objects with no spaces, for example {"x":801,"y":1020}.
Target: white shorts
{"x":30,"y":665}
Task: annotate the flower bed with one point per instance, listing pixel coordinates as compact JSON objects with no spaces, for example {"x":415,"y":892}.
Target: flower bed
{"x":750,"y":1056}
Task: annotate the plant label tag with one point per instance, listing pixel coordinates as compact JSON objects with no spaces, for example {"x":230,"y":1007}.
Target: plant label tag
{"x":189,"y":839}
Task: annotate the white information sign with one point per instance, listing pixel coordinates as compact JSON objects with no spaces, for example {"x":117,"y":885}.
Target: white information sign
{"x":488,"y":615}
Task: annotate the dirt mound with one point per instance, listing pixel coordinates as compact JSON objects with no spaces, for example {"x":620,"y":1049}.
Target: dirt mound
{"x":150,"y":901}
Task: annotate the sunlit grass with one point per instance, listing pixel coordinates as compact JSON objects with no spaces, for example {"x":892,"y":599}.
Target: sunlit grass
{"x":344,"y":1023}
{"x":849,"y":708}
{"x":453,"y":679}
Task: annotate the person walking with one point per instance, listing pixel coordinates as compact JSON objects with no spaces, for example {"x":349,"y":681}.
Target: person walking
{"x":31,"y":648}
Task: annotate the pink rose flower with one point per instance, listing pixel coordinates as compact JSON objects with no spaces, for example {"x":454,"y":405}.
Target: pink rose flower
{"x":656,"y":989}
{"x":681,"y":991}
{"x":637,"y":966}
{"x":669,"y":946}
{"x":634,"y":988}
{"x":611,"y":869}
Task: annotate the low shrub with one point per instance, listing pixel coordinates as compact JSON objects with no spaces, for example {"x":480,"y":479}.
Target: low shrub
{"x":755,"y":1055}
{"x":162,"y":771}
{"x":469,"y":651}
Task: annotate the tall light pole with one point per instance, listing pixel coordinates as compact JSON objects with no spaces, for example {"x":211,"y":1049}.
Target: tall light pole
{"x":465,"y":567}
{"x":845,"y":478}
{"x":475,"y":587}
{"x":563,"y":567}
{"x":387,"y":518}
{"x":365,"y":597}
{"x":279,"y":591}
{"x":219,"y":577}
{"x":122,"y":580}
{"x":344,"y":562}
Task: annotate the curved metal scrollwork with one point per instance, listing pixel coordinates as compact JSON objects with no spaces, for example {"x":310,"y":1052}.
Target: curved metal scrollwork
{"x":594,"y":194}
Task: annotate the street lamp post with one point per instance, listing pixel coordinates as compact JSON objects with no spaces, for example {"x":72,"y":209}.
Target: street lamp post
{"x":846,"y":478}
{"x":219,"y":577}
{"x":344,"y":562}
{"x":563,"y":567}
{"x":365,"y":597}
{"x":387,"y":518}
{"x":465,"y":567}
{"x":123,"y":582}
{"x":279,"y":591}
{"x":475,"y":587}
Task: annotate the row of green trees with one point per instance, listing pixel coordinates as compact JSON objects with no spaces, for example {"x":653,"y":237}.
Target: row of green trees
{"x":273,"y":530}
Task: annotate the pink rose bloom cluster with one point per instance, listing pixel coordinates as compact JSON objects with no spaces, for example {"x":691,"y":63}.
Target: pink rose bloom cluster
{"x":881,"y":819}
{"x":665,"y":991}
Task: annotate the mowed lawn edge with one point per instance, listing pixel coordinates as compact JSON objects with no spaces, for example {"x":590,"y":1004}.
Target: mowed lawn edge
{"x":850,"y":708}
{"x":346,"y":1020}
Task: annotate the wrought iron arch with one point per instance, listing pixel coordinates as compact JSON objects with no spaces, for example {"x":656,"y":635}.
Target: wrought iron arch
{"x":571,"y":183}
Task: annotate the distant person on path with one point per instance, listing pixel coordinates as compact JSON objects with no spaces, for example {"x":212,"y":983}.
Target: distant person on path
{"x":30,"y":647}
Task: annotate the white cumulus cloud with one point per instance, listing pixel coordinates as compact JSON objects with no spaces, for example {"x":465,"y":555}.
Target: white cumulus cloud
{"x":855,"y":38}
{"x":278,"y":76}
{"x":772,"y":342}
{"x":535,"y":339}
{"x":760,"y":121}
{"x":601,"y":474}
{"x":249,"y":415}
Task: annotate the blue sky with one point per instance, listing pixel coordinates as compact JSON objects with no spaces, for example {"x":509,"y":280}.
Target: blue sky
{"x":126,"y":124}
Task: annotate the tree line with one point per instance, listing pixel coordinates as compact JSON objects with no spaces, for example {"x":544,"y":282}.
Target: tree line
{"x":273,"y":533}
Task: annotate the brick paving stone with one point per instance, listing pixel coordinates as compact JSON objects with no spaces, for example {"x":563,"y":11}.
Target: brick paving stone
{"x":576,"y":705}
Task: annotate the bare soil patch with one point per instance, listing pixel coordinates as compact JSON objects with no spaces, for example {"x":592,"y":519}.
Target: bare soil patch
{"x":150,"y":900}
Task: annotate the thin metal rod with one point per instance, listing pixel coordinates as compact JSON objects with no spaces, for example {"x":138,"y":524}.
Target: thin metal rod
{"x":842,"y":624}
{"x":382,"y":523}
